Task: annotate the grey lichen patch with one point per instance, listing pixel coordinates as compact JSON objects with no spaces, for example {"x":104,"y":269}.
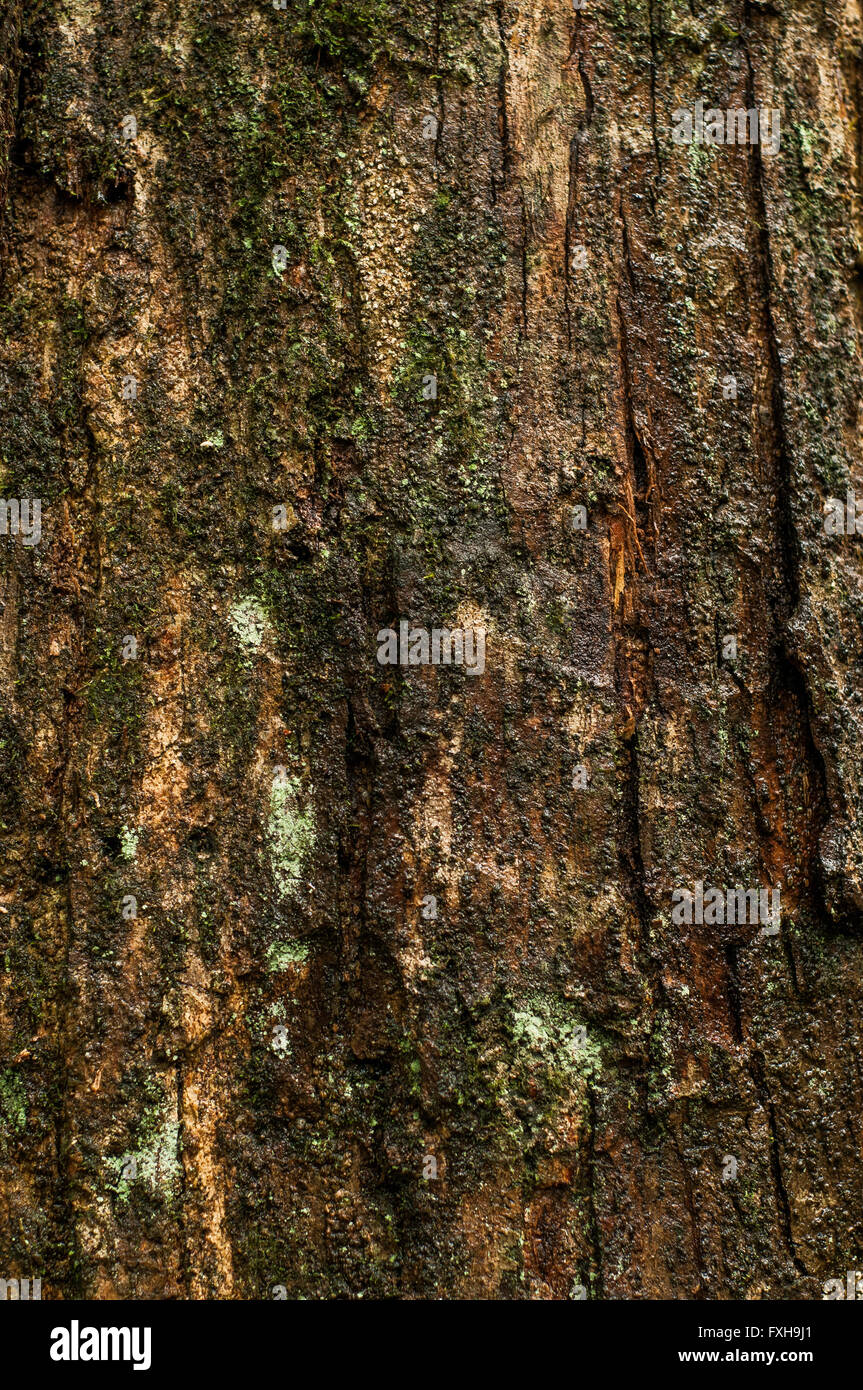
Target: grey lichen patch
{"x":290,"y":833}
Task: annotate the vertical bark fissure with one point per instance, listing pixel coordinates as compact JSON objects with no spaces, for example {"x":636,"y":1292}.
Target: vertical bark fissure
{"x":783,"y":1208}
{"x":694,"y":1223}
{"x":778,"y":453}
{"x":592,"y":1165}
{"x":654,"y":60}
{"x":502,"y":109}
{"x":569,"y":230}
{"x":789,"y":680}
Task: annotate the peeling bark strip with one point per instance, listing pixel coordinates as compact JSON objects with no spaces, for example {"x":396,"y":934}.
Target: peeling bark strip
{"x":333,"y":328}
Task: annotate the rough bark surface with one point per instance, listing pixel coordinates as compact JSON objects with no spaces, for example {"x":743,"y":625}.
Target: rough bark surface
{"x":240,"y":1087}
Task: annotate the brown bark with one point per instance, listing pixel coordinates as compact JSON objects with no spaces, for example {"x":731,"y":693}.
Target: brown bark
{"x":236,"y":1082}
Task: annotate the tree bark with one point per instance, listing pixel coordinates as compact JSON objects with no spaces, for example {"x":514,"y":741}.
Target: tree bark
{"x":332,"y":978}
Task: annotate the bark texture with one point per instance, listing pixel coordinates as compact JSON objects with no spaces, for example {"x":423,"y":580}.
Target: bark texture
{"x":239,"y":1089}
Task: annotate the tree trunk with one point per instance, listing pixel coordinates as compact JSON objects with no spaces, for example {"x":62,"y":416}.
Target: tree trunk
{"x":327,"y":977}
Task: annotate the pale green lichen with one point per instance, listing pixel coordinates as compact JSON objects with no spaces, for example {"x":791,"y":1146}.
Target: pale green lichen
{"x":128,"y":842}
{"x":291,"y":834}
{"x":13,"y":1100}
{"x":155,"y":1164}
{"x":807,"y":136}
{"x":249,"y":624}
{"x":283,"y":954}
{"x":558,"y":1040}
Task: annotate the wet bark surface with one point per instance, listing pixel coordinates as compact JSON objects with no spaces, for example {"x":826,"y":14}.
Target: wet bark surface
{"x":335,"y":978}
